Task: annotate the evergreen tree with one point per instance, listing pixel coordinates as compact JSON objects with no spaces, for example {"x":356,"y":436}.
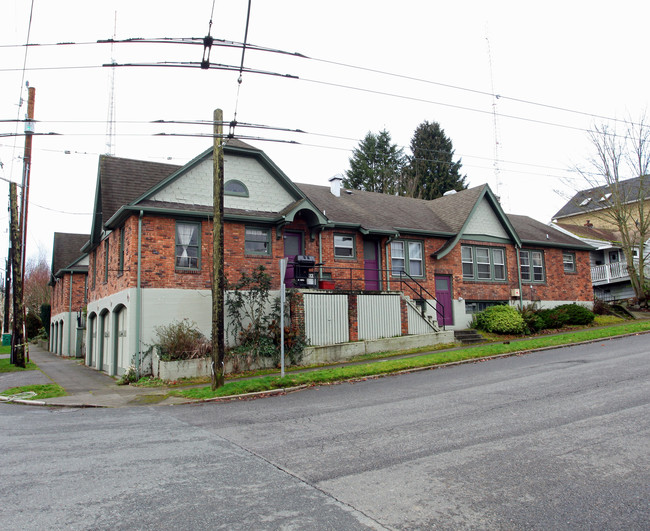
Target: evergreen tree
{"x":431,"y":170}
{"x":376,"y":165}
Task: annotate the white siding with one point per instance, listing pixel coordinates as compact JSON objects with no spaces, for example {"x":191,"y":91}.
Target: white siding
{"x":485,"y":222}
{"x":195,"y":187}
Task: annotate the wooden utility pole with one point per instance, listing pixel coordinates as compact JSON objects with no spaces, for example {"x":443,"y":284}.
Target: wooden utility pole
{"x":5,"y":324}
{"x":27,"y":166}
{"x":17,"y":339}
{"x":218,"y":278}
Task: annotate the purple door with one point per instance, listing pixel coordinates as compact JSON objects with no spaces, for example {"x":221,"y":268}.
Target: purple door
{"x":443,"y":295}
{"x":292,"y":248}
{"x":370,"y":265}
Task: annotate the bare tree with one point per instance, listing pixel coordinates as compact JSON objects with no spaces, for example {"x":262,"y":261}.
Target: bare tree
{"x":36,"y":290}
{"x":618,"y":172}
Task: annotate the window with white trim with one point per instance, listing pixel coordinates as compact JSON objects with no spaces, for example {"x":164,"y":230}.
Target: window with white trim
{"x":569,"y":262}
{"x":188,"y":245}
{"x":407,"y":256}
{"x":344,"y":246}
{"x":483,"y":263}
{"x":532,"y":266}
{"x":258,"y":241}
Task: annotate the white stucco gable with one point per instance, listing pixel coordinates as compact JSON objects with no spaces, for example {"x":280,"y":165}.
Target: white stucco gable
{"x":485,"y":221}
{"x":194,"y":187}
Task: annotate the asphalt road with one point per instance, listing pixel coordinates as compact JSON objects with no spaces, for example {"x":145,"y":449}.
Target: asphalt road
{"x":552,"y":440}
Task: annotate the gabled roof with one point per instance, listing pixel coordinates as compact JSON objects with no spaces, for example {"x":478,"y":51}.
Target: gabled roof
{"x":592,"y":233}
{"x":446,"y":216}
{"x":66,"y":252}
{"x":120,"y":181}
{"x":163,"y":176}
{"x":594,"y":199}
{"x":533,"y":233}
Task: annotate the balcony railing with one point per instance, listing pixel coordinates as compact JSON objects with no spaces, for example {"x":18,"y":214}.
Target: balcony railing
{"x":605,"y":273}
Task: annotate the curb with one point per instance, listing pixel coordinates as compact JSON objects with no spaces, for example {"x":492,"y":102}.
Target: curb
{"x":285,"y":390}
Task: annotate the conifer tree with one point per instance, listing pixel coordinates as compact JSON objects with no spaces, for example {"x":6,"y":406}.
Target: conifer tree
{"x":431,"y":169}
{"x":376,"y":165}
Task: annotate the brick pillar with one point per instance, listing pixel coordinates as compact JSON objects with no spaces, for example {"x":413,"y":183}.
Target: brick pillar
{"x":352,"y":317}
{"x":404,"y":315}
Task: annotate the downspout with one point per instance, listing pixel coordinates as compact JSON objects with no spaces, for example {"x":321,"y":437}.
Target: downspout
{"x":388,"y":242}
{"x":70,"y":317}
{"x":521,"y":291}
{"x":138,"y":299}
{"x":320,"y":255}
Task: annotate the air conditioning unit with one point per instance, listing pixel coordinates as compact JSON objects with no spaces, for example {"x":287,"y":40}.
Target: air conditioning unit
{"x":515,"y":293}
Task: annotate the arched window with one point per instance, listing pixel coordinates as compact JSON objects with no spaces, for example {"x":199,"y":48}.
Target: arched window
{"x":234,"y":187}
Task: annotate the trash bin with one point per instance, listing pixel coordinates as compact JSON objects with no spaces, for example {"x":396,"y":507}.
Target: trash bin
{"x":6,"y":340}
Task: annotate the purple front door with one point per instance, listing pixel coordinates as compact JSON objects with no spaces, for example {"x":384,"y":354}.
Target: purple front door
{"x":443,"y":295}
{"x":292,"y":248}
{"x":370,"y":265}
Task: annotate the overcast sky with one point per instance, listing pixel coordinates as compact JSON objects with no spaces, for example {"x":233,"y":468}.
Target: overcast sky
{"x":558,"y":67}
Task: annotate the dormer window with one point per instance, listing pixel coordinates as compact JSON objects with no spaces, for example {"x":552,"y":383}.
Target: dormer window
{"x":234,"y":187}
{"x":585,"y":202}
{"x":605,"y":197}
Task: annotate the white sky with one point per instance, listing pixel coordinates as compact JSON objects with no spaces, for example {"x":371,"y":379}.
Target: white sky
{"x":586,"y":56}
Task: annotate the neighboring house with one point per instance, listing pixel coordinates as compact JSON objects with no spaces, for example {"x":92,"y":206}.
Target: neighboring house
{"x":68,"y":300}
{"x":387,"y":265}
{"x":587,"y":216}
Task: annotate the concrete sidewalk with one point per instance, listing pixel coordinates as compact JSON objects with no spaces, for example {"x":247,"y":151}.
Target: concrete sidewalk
{"x":86,"y":387}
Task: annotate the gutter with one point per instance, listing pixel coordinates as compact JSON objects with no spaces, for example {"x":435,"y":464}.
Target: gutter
{"x":70,"y":318}
{"x":521,"y":291}
{"x":138,"y":299}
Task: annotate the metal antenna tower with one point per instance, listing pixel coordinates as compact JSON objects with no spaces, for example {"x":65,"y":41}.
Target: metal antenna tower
{"x":495,"y":120}
{"x":110,"y":119}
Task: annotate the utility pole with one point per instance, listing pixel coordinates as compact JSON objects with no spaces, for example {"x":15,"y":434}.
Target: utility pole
{"x":218,"y":278}
{"x":17,"y":340}
{"x":27,"y":167}
{"x":5,"y":324}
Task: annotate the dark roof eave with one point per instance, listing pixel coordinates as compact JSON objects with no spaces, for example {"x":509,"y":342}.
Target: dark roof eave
{"x":577,"y":247}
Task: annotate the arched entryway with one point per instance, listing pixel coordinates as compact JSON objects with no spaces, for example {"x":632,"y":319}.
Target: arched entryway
{"x":120,"y":360}
{"x":103,"y":347}
{"x":91,"y":339}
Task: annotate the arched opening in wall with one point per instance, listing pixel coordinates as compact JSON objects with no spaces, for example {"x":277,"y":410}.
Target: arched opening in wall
{"x":61,"y":329}
{"x":102,"y":341}
{"x":120,"y":349}
{"x":91,"y":339}
{"x":55,"y":337}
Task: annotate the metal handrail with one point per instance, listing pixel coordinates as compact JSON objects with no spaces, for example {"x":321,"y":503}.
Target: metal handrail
{"x":438,"y":308}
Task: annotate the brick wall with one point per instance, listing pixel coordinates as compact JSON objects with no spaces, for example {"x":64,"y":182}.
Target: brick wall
{"x":60,"y":299}
{"x":158,"y":263}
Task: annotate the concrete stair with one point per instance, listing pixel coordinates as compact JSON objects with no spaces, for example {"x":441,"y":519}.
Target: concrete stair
{"x":468,"y":337}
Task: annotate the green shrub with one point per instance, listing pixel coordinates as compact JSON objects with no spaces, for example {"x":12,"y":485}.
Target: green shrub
{"x":500,"y":320}
{"x":576,"y":314}
{"x":181,"y":340}
{"x":530,"y":315}
{"x":33,"y":325}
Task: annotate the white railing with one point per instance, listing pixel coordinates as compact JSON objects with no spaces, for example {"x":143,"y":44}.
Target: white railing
{"x":613,"y":271}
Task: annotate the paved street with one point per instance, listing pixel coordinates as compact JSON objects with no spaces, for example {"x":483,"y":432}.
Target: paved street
{"x":551,"y":440}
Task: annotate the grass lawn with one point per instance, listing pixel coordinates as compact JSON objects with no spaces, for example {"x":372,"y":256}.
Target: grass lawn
{"x":42,"y":391}
{"x":325,"y":375}
{"x":6,"y":366}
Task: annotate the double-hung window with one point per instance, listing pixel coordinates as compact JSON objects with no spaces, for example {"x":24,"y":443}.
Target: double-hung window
{"x":569,"y":262}
{"x":106,"y":256}
{"x":120,"y":265}
{"x":343,"y":246}
{"x":483,"y":263}
{"x":407,"y":256}
{"x":258,"y":241}
{"x":532,"y":266}
{"x":188,"y":245}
